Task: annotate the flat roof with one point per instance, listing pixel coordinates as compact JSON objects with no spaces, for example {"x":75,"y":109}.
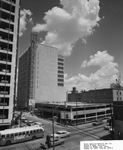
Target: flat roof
{"x":22,"y":129}
{"x":74,"y":104}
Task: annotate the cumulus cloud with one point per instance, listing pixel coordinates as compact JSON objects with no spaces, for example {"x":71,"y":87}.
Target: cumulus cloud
{"x":25,"y":17}
{"x":100,"y":58}
{"x":64,"y":26}
{"x":102,"y":78}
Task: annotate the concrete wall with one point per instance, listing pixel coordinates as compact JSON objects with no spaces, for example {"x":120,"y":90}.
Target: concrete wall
{"x":47,"y":76}
{"x":23,"y":80}
{"x":117,"y":95}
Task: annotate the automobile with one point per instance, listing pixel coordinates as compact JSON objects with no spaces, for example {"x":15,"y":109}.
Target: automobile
{"x":55,"y":136}
{"x":43,"y":146}
{"x":24,"y":120}
{"x":30,"y":123}
{"x":4,"y":81}
{"x":56,"y":143}
{"x":8,"y":29}
{"x":98,"y":122}
{"x":3,"y":92}
{"x":40,"y":124}
{"x":108,"y":128}
{"x":5,"y":70}
{"x":63,"y":134}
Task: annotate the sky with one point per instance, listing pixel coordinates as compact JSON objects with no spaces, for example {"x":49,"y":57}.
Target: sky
{"x":89,"y":33}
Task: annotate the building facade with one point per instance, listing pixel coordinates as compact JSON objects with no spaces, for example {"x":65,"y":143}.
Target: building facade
{"x":96,"y":96}
{"x":74,"y":113}
{"x":49,"y":75}
{"x":23,"y":79}
{"x":9,"y":29}
{"x":117,"y":119}
{"x":41,"y":75}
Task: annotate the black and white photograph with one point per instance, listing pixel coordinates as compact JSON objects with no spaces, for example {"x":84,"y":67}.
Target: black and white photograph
{"x":61,"y":74}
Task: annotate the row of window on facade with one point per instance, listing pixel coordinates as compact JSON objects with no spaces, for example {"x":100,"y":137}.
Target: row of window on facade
{"x":8,"y":6}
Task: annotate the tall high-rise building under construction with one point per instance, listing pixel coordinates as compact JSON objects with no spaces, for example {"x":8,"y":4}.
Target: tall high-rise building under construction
{"x":9,"y":29}
{"x":41,"y":75}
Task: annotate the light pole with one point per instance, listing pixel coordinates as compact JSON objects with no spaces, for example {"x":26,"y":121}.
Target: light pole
{"x":53,"y":128}
{"x":76,"y":107}
{"x":112,"y":119}
{"x":65,"y":118}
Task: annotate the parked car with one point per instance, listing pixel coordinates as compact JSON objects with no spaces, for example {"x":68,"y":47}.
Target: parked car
{"x":98,"y":122}
{"x":40,"y":124}
{"x":24,"y":120}
{"x":30,"y":123}
{"x":56,"y":143}
{"x":55,"y":136}
{"x":108,"y":128}
{"x":63,"y":134}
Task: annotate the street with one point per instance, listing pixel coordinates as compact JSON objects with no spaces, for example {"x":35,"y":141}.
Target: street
{"x":80,"y":133}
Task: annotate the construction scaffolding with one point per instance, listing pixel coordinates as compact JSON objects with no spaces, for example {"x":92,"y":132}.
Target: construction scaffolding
{"x":32,"y":65}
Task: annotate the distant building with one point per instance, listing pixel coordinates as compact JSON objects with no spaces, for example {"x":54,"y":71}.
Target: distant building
{"x":96,"y":96}
{"x":71,"y":113}
{"x":9,"y":29}
{"x":41,"y":75}
{"x":117,"y":119}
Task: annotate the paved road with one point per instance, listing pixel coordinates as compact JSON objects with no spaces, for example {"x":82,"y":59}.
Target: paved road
{"x":80,"y":133}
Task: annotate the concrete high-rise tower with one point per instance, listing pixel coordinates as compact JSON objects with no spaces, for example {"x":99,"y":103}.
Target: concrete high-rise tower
{"x":41,"y":75}
{"x":9,"y":29}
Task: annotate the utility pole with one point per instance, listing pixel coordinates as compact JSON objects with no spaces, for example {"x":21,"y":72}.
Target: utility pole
{"x":76,"y":106}
{"x":53,"y":117}
{"x":53,"y":128}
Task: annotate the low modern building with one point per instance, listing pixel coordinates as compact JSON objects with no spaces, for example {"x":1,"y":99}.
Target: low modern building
{"x":9,"y":30}
{"x":41,"y":75}
{"x":71,"y":113}
{"x":96,"y":96}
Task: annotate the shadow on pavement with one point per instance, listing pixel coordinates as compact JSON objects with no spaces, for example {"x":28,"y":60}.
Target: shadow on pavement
{"x":107,"y":137}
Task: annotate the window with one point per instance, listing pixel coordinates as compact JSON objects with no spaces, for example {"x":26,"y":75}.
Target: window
{"x":79,"y":116}
{"x":30,"y":132}
{"x":90,"y":115}
{"x":67,"y":116}
{"x":60,"y":76}
{"x":59,"y":63}
{"x":60,"y":67}
{"x":60,"y":84}
{"x":3,"y":136}
{"x":61,"y":80}
{"x":20,"y":133}
{"x":7,"y":135}
{"x":60,"y":59}
{"x":100,"y":113}
{"x":60,"y":71}
{"x":16,"y":134}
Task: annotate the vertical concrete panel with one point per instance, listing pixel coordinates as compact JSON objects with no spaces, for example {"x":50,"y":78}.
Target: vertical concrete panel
{"x":47,"y":89}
